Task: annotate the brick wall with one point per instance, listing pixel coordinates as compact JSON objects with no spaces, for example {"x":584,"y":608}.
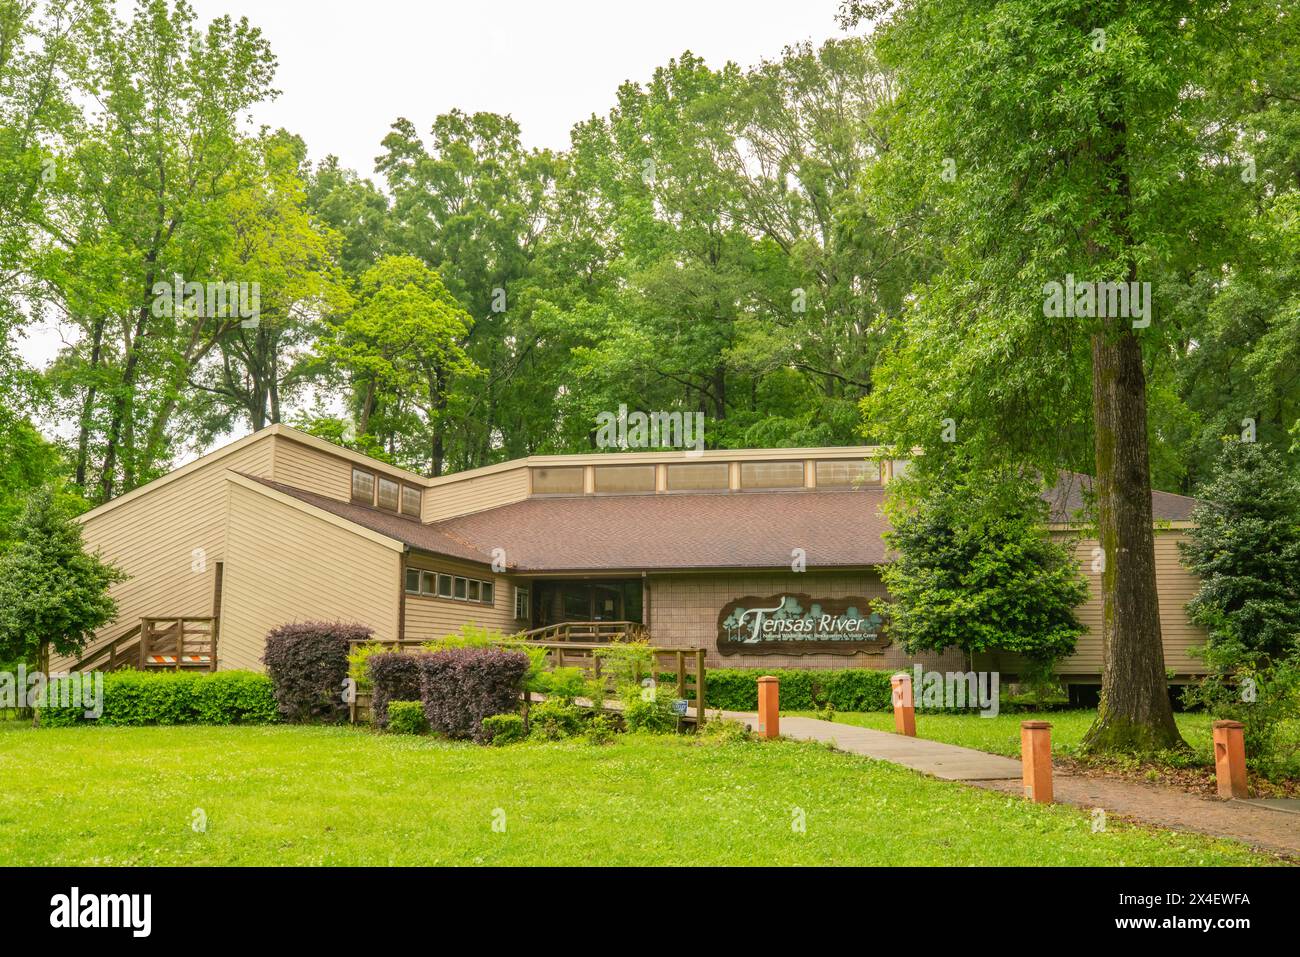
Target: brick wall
{"x":684,"y":610}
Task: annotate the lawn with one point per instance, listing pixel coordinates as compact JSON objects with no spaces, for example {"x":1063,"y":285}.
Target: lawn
{"x":1001,"y":734}
{"x":313,"y":795}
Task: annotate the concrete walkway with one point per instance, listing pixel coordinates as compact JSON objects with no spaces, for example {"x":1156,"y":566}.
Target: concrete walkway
{"x":947,"y":761}
{"x":1263,"y":827}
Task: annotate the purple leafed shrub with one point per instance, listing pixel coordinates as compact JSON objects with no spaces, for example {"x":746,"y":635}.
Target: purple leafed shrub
{"x":394,"y":676}
{"x":307,"y":662}
{"x":462,"y":686}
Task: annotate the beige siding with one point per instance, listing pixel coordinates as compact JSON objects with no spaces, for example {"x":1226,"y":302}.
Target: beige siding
{"x":431,"y":617}
{"x":286,"y":563}
{"x":1176,"y":587}
{"x":684,"y":612}
{"x":475,"y":494}
{"x":168,"y":539}
{"x":312,"y":470}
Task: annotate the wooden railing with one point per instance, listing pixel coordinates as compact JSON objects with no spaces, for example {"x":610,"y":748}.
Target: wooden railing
{"x":685,"y":664}
{"x":180,"y":642}
{"x":596,"y":631}
{"x":682,"y":663}
{"x":118,"y":653}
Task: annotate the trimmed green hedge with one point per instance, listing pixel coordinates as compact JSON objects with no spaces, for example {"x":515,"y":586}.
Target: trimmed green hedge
{"x":850,"y":689}
{"x":185,"y":697}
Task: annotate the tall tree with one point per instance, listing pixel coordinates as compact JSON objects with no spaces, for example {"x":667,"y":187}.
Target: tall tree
{"x":1043,"y":142}
{"x":145,"y":203}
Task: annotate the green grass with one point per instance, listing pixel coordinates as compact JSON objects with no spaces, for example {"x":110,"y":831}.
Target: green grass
{"x":305,"y":795}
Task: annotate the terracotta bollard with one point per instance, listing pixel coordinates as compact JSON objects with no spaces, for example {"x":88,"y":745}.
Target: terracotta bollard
{"x":1036,"y":760}
{"x":769,"y":707}
{"x":1230,"y":759}
{"x":904,"y":712}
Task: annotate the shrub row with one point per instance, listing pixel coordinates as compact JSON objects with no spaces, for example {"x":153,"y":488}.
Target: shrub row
{"x":308,"y":663}
{"x":169,"y":697}
{"x":459,"y":687}
{"x":393,"y":676}
{"x":851,"y":689}
{"x":462,"y":686}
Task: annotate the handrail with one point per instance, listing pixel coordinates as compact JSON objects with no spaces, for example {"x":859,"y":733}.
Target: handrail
{"x":109,"y":647}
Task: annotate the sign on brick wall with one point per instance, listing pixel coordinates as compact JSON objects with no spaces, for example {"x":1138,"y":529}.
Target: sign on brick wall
{"x":800,"y":625}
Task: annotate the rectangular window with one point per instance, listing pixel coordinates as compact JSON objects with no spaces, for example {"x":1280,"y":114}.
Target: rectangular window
{"x":428,"y":584}
{"x":850,"y":474}
{"x":558,"y":481}
{"x":363,"y":486}
{"x":460,"y":589}
{"x":521,"y":603}
{"x":771,"y":474}
{"x":413,"y":580}
{"x":389,"y":494}
{"x":488,"y":589}
{"x":410,"y":501}
{"x":702,"y":476}
{"x":444,"y":586}
{"x":625,"y":478}
{"x":472,"y":590}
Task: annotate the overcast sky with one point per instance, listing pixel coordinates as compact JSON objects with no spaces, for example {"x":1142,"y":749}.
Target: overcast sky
{"x":348,"y":68}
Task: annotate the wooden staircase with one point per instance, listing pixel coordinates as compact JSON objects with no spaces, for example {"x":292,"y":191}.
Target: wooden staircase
{"x":178,"y":643}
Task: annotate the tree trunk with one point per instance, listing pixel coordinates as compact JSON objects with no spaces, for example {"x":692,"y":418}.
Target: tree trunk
{"x":88,"y":404}
{"x":1135,"y":713}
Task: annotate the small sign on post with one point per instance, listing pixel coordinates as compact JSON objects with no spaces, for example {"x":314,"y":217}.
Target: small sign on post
{"x":904,"y":712}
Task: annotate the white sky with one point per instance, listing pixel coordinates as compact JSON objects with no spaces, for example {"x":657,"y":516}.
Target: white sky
{"x":348,"y":68}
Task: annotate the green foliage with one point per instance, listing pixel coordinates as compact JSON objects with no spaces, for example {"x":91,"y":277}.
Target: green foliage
{"x":1245,"y":547}
{"x":555,"y":720}
{"x":564,"y":684}
{"x":1261,"y":694}
{"x":975,"y":569}
{"x":358,"y":663}
{"x":407,"y":717}
{"x":184,"y":697}
{"x":601,"y":729}
{"x":849,"y":689}
{"x":648,"y":711}
{"x":53,"y":595}
{"x":724,"y":730}
{"x":501,"y":729}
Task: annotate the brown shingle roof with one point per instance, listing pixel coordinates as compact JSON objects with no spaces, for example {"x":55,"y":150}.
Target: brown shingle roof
{"x":689,"y":530}
{"x":1067,"y":501}
{"x":839,"y":528}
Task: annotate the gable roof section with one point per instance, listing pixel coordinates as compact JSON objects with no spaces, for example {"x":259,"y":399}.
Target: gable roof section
{"x":407,"y":531}
{"x":281,"y":493}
